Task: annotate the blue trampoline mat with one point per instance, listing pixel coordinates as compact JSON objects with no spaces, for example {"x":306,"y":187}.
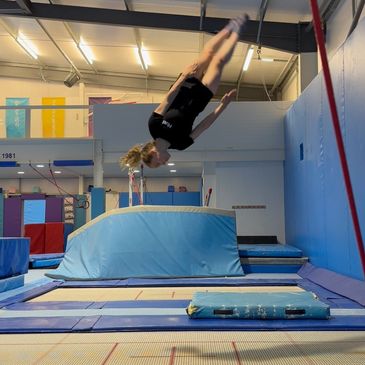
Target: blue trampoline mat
{"x":98,"y":319}
{"x":267,"y":250}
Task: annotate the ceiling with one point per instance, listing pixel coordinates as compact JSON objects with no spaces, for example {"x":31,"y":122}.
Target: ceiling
{"x":113,"y":46}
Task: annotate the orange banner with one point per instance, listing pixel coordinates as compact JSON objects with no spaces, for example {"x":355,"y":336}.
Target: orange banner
{"x":53,"y":120}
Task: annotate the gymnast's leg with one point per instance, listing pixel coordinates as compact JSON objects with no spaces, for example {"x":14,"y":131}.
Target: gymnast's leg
{"x":213,"y":74}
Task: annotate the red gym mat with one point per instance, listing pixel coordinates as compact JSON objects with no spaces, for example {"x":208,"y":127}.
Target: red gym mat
{"x":36,"y":232}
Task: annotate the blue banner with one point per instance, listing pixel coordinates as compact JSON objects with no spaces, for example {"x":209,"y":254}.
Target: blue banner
{"x":16,"y":119}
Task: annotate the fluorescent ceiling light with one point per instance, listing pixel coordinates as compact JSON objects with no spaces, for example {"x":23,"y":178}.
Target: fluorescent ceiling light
{"x":248,"y":59}
{"x":172,"y":170}
{"x":58,"y":172}
{"x":136,"y":170}
{"x":143,"y":57}
{"x":170,"y":164}
{"x":21,"y":172}
{"x":86,"y":50}
{"x":27,"y":46}
{"x":40,"y":165}
{"x":267,"y":59}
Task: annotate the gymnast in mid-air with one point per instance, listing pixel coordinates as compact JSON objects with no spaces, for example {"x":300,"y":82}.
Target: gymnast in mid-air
{"x":171,"y":124}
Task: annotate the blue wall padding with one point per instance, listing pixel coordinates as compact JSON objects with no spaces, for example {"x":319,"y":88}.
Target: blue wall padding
{"x":14,"y":256}
{"x":11,"y":283}
{"x":1,"y":214}
{"x":162,"y":198}
{"x":79,"y":213}
{"x":68,"y":229}
{"x":266,"y":250}
{"x":191,"y":198}
{"x":97,"y":202}
{"x":153,"y":241}
{"x":284,"y":305}
{"x":317,"y":218}
{"x":12,"y":217}
{"x":34,"y":211}
{"x":124,"y":199}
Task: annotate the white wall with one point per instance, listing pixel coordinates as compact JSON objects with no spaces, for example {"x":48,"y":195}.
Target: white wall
{"x":75,"y":120}
{"x":253,"y":183}
{"x":339,"y":25}
{"x":290,"y":90}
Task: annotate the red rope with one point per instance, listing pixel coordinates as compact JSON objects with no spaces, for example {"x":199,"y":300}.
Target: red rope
{"x":336,"y":126}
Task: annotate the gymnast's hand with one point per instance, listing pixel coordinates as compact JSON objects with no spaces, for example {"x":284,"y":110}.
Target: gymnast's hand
{"x":228,"y":97}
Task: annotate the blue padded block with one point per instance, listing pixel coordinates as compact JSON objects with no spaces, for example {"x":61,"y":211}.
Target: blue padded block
{"x":153,"y":242}
{"x":14,"y":256}
{"x":284,"y":305}
{"x":97,"y":202}
{"x":265,"y":250}
{"x":73,"y":163}
{"x":11,"y":283}
{"x":34,"y":211}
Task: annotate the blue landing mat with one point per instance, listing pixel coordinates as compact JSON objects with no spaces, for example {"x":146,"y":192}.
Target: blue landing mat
{"x":266,"y":250}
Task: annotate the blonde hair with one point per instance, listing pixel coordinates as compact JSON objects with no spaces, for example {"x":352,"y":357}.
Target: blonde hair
{"x":137,"y":153}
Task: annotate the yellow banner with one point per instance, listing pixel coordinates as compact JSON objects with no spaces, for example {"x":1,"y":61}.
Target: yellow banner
{"x":53,"y":120}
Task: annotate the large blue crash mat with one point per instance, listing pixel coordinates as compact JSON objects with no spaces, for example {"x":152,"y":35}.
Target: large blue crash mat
{"x":276,"y":305}
{"x":153,"y":242}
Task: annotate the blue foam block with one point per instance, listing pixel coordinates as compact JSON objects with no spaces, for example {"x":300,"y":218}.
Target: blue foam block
{"x":14,"y":256}
{"x":285,"y":305}
{"x":11,"y":283}
{"x":175,"y":242}
{"x":265,"y":250}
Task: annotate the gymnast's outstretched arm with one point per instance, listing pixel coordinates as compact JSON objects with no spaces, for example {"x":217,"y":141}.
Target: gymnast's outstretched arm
{"x":210,"y":118}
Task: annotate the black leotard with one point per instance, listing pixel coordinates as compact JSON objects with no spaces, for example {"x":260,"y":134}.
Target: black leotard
{"x":177,"y":124}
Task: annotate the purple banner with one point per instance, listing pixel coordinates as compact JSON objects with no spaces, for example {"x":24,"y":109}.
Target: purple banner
{"x":13,"y":217}
{"x":54,"y":209}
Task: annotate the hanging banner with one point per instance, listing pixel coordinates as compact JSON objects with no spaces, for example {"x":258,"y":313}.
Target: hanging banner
{"x":93,"y":101}
{"x":53,"y":120}
{"x":17,"y":120}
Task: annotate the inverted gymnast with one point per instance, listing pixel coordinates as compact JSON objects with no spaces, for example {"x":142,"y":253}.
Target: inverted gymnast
{"x":171,"y":124}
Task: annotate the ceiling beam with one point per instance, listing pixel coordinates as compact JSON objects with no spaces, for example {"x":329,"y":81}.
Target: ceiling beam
{"x":25,"y":5}
{"x":288,"y":37}
{"x":118,"y":80}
